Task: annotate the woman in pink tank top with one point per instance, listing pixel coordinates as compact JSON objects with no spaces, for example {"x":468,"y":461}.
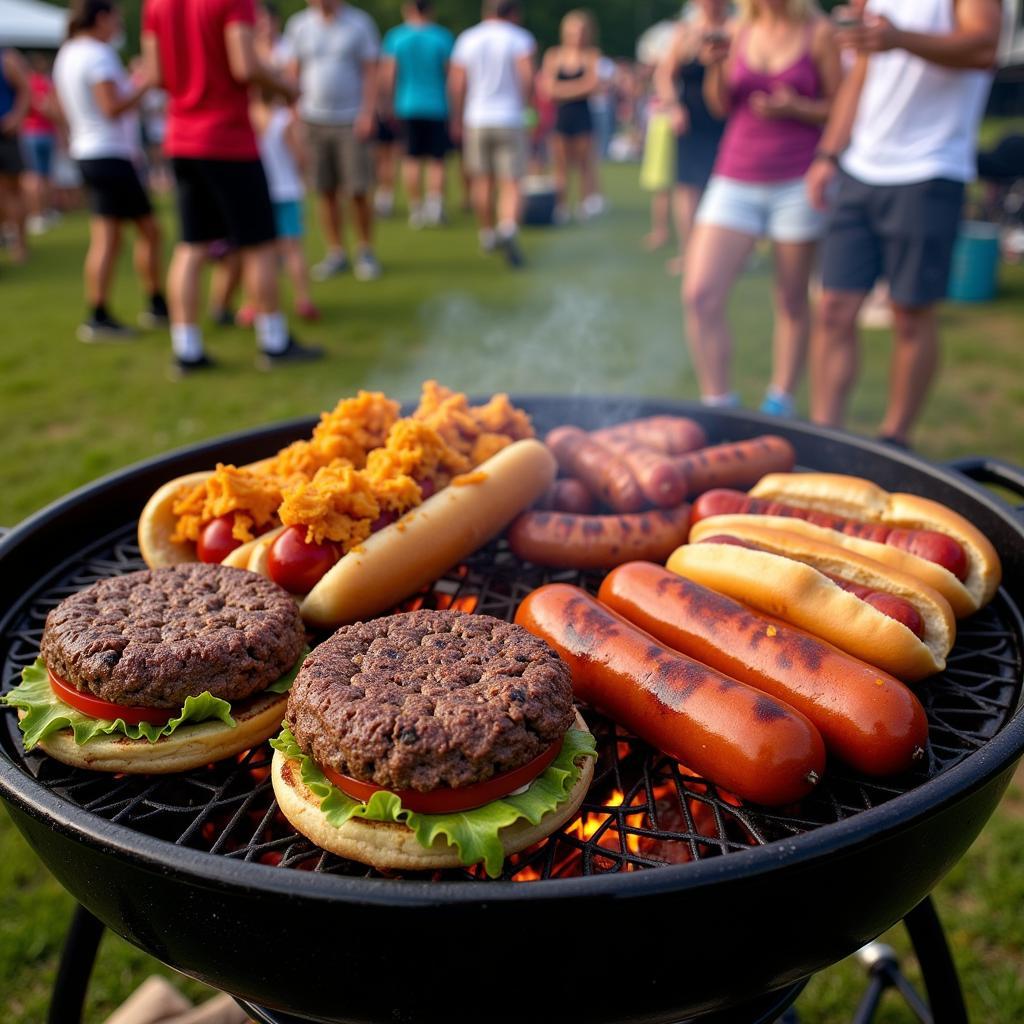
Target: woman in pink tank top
{"x":774,"y":79}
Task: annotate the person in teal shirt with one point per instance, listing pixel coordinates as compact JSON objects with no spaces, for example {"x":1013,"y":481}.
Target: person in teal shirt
{"x":414,"y":74}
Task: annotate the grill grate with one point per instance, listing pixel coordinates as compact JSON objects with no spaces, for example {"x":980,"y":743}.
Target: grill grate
{"x":642,"y":810}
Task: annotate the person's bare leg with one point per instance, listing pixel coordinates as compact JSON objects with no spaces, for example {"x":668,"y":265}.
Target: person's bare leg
{"x":915,"y":360}
{"x":13,"y":209}
{"x":834,"y":355}
{"x":411,"y":179}
{"x":560,"y":169}
{"x":658,"y":235}
{"x":482,"y":192}
{"x":224,"y":280}
{"x":509,"y":201}
{"x":183,"y":276}
{"x":435,"y":178}
{"x":101,"y":258}
{"x":793,"y":261}
{"x":685,"y":199}
{"x":259,"y":276}
{"x":298,"y":272}
{"x":714,"y":260}
{"x":148,"y":257}
{"x":363,"y":210}
{"x":583,"y":158}
{"x":332,"y":221}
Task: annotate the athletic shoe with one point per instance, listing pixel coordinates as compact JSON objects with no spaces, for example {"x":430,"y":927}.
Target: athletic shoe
{"x":222,"y":317}
{"x":333,"y":263}
{"x":104,"y":328}
{"x":592,"y":206}
{"x":509,"y":245}
{"x":417,"y":217}
{"x":245,"y":317}
{"x":294,"y":353}
{"x":156,"y":316}
{"x":367,"y":268}
{"x":384,"y":203}
{"x":181,"y":368}
{"x":36,"y":225}
{"x":307,"y":311}
{"x":779,"y":405}
{"x":433,"y":211}
{"x":488,"y":240}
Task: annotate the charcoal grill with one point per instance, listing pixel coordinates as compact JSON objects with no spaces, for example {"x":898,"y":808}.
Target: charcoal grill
{"x":665,"y":899}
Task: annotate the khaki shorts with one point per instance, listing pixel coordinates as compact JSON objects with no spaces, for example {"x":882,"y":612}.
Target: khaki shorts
{"x":500,"y":152}
{"x":339,"y":159}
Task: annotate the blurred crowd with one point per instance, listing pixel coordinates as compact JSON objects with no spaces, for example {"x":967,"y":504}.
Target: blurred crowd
{"x":843,"y":141}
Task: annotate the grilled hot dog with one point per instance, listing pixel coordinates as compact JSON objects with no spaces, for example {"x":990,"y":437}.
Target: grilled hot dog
{"x":738,"y":464}
{"x":567,"y":495}
{"x":672,"y":435}
{"x":752,"y":744}
{"x":604,"y":473}
{"x":867,"y":718}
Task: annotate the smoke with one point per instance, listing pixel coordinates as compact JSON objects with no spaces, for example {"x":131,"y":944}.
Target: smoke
{"x":575,"y":321}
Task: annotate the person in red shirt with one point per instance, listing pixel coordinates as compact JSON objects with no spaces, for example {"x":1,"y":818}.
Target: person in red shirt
{"x":203,"y":54}
{"x":39,"y":139}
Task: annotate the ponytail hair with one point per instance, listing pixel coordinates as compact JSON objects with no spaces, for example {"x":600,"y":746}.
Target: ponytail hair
{"x":85,"y":14}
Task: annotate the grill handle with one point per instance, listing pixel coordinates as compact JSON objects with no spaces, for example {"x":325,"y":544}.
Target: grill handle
{"x":985,"y":469}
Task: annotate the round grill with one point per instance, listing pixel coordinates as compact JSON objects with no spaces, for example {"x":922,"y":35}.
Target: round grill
{"x":641,"y":812}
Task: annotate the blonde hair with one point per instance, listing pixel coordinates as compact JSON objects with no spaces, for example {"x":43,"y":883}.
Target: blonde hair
{"x":589,"y":24}
{"x":796,"y":10}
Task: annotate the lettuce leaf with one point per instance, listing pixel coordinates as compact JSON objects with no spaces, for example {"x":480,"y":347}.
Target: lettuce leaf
{"x":45,"y":713}
{"x":474,"y":832}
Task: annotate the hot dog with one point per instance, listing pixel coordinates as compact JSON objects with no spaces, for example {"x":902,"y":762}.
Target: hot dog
{"x":598,"y":542}
{"x":671,"y":435}
{"x":737,"y":464}
{"x":604,"y":473}
{"x":867,"y":718}
{"x":788,"y":577}
{"x":660,"y":478}
{"x":754,"y":745}
{"x":856,"y":499}
{"x":567,"y":495}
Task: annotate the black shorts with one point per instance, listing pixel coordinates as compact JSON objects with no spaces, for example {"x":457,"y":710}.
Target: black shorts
{"x":386,"y":131}
{"x":115,"y":188}
{"x":573,"y":118}
{"x":223,"y":199}
{"x":425,"y":137}
{"x":10,"y":155}
{"x":903,"y":233}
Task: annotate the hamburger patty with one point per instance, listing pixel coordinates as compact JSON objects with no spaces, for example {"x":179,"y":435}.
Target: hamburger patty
{"x":429,"y":698}
{"x":152,"y":638}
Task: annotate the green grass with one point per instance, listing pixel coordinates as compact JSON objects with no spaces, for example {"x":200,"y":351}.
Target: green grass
{"x":591,"y":314}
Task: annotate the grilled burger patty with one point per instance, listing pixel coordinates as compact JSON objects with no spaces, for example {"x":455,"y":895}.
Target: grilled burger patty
{"x":152,"y":638}
{"x":428,"y":699}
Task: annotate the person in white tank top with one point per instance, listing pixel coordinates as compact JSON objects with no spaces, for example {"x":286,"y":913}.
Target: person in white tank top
{"x":892,"y":164}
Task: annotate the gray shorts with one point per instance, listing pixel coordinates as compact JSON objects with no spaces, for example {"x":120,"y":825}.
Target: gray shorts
{"x":903,"y":233}
{"x":499,"y":152}
{"x":338,"y":159}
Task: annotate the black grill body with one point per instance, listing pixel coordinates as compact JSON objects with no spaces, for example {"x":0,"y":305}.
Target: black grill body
{"x":655,"y":944}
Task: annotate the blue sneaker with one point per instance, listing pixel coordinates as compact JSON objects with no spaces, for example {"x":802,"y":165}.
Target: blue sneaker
{"x":779,"y":405}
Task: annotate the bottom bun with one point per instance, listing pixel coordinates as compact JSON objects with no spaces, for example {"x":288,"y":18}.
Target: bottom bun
{"x":190,"y":746}
{"x":388,"y":845}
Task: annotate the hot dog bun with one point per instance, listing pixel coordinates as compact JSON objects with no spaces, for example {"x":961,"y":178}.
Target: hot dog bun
{"x":860,"y":499}
{"x":786,"y":579}
{"x":156,"y":524}
{"x":388,"y":845}
{"x":411,"y":553}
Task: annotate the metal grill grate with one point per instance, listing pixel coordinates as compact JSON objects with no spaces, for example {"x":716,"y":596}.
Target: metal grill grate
{"x":642,"y":810}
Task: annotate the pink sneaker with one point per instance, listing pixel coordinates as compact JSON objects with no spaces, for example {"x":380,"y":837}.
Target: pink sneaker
{"x":245,"y":317}
{"x":307,"y":311}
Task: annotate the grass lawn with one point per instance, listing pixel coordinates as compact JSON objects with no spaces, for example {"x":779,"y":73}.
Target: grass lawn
{"x":592,"y":313}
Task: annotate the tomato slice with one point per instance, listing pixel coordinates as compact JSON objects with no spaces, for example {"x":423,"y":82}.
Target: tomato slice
{"x":216,"y":541}
{"x":95,"y":707}
{"x":448,"y":800}
{"x":296,"y":565}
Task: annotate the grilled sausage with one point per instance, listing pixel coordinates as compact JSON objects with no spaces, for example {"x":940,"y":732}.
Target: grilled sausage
{"x":661,"y":480}
{"x":927,"y":544}
{"x":567,"y":495}
{"x":604,"y":473}
{"x":598,"y":542}
{"x":868,"y":718}
{"x":752,"y":744}
{"x":672,"y":435}
{"x":739,"y":464}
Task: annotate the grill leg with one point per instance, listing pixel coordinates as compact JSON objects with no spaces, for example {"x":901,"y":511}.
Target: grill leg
{"x":937,"y":967}
{"x":76,"y":963}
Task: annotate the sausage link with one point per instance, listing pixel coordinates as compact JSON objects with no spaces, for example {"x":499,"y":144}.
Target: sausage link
{"x":752,"y":744}
{"x":661,"y":480}
{"x":567,"y":495}
{"x":739,"y":464}
{"x":604,"y":473}
{"x":671,"y":435}
{"x":868,"y":718}
{"x":598,"y":542}
{"x":927,"y":544}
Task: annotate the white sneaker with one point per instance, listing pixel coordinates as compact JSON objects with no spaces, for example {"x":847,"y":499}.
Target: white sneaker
{"x":592,"y":206}
{"x":366,"y":267}
{"x":333,"y":263}
{"x":488,"y":240}
{"x":433,"y":211}
{"x":384,"y":203}
{"x":417,"y":217}
{"x":36,"y":225}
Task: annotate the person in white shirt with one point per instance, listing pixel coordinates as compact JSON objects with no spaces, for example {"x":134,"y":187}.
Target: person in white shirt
{"x":490,"y":80}
{"x":898,"y":148}
{"x":96,"y":96}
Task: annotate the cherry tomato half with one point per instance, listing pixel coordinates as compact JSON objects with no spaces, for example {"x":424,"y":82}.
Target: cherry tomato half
{"x":216,"y":540}
{"x":447,"y":800}
{"x":296,"y":565}
{"x":96,"y":707}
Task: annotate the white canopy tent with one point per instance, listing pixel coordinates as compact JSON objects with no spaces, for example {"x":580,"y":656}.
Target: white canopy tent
{"x":32,"y":25}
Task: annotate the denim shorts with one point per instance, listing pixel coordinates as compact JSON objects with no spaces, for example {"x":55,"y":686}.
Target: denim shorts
{"x":778,"y":210}
{"x":38,"y":149}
